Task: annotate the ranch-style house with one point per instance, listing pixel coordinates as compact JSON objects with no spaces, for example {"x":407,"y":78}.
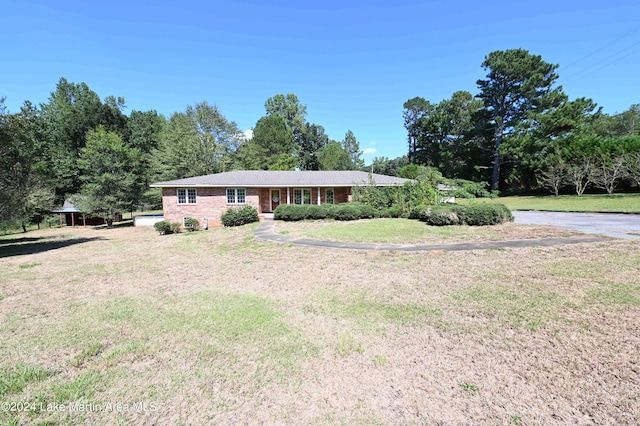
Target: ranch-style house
{"x":206,"y":198}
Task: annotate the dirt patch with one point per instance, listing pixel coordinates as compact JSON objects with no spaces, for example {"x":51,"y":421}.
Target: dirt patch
{"x":420,"y":233}
{"x":535,"y":336}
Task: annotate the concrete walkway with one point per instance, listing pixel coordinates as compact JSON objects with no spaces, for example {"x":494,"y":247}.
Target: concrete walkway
{"x":266,"y":231}
{"x":610,"y":224}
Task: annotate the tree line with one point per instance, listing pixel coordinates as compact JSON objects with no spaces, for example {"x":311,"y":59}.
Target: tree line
{"x":77,"y":146}
{"x":521,"y":132}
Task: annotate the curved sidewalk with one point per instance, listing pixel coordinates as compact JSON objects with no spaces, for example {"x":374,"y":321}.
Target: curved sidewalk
{"x":266,"y":231}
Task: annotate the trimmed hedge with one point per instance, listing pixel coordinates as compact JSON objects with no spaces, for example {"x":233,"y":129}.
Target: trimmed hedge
{"x":164,"y":227}
{"x":191,"y":223}
{"x":240,"y":216}
{"x":456,"y":214}
{"x":342,"y":211}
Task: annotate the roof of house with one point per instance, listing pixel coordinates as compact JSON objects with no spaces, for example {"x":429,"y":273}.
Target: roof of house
{"x":270,"y":178}
{"x":67,"y":207}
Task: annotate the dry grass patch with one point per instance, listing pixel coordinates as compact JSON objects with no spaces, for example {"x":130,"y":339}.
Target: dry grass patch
{"x":406,"y":231}
{"x":216,"y":327}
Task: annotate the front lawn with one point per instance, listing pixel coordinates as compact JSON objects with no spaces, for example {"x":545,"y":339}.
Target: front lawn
{"x":407,"y":231}
{"x":122,"y":326}
{"x":616,"y":203}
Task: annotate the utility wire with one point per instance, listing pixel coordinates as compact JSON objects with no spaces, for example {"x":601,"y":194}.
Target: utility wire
{"x":588,"y":71}
{"x":588,"y":55}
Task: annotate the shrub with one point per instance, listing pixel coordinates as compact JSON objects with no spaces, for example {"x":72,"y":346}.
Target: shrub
{"x":346,"y":211}
{"x":472,"y":215}
{"x":164,"y":227}
{"x":191,"y":223}
{"x":468,"y":189}
{"x":393,"y":212}
{"x":240,"y":216}
{"x":290,"y":212}
{"x":343,"y":211}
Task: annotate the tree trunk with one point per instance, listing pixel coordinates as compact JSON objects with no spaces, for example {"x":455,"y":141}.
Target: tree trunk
{"x":495,"y":178}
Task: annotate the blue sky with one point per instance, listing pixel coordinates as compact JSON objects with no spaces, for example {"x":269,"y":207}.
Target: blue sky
{"x":353,"y":63}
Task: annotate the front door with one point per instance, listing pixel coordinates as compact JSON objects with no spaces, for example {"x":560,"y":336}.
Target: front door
{"x":275,"y":198}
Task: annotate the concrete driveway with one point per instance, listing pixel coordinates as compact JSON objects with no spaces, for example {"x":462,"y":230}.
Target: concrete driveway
{"x":613,"y":225}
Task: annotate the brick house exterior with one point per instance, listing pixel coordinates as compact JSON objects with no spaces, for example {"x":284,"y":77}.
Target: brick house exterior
{"x":206,"y":198}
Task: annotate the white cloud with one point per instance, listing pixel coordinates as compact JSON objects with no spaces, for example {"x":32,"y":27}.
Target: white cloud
{"x":248,"y":134}
{"x":369,"y":151}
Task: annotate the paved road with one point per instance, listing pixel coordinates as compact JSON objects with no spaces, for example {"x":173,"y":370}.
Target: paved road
{"x":612,"y":225}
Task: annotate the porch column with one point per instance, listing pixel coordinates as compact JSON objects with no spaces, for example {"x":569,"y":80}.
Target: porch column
{"x":73,"y":220}
{"x":318,"y":195}
{"x":288,"y":196}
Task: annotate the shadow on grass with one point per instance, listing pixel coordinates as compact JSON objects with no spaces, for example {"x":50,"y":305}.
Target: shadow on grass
{"x":127,"y":223}
{"x":22,"y":246}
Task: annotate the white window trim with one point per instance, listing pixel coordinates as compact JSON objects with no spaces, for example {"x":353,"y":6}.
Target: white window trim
{"x":302,"y":196}
{"x":235,"y":196}
{"x":334,"y":195}
{"x":186,"y":196}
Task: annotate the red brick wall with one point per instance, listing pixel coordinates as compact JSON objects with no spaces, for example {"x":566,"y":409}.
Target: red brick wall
{"x":211,"y":203}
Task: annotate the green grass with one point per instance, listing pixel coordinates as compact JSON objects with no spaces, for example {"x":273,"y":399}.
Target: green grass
{"x":30,"y":265}
{"x":616,"y":294}
{"x":393,"y":231}
{"x":369,"y":313}
{"x":14,"y":380}
{"x":530,"y":307}
{"x":469,"y":387}
{"x":616,"y":203}
{"x":347,"y":345}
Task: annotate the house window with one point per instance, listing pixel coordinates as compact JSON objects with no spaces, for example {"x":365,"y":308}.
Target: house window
{"x":236,"y":196}
{"x":301,"y":196}
{"x":186,"y":195}
{"x":329,"y":196}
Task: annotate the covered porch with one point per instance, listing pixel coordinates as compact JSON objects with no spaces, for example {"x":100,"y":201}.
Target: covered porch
{"x":271,"y":198}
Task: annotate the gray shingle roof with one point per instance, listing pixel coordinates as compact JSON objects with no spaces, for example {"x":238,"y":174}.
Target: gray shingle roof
{"x":268,"y":178}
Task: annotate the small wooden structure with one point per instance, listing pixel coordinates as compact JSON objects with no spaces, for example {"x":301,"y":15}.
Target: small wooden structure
{"x":73,"y":216}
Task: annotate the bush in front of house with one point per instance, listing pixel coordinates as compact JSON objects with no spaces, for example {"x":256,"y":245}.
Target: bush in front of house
{"x":165,"y":227}
{"x":456,"y":214}
{"x":191,"y":223}
{"x":240,"y":216}
{"x":343,"y":211}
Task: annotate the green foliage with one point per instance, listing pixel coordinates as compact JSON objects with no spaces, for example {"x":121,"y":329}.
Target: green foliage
{"x":379,"y":197}
{"x":389,"y":167}
{"x":456,"y":214}
{"x":191,"y":223}
{"x":311,"y":139}
{"x":352,"y":147}
{"x":334,"y":157}
{"x":16,"y":379}
{"x":272,"y":143}
{"x":405,"y":198}
{"x":199,"y":141}
{"x":517,"y":82}
{"x":288,"y":107}
{"x":442,"y":135}
{"x":240,"y":216}
{"x":342,"y":211}
{"x":468,"y":189}
{"x":111,"y":178}
{"x":165,"y":227}
{"x":469,"y":387}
